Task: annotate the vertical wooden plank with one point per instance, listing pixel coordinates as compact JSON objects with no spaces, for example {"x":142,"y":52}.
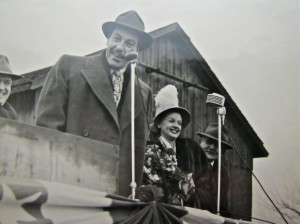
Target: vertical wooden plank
{"x":169,"y":58}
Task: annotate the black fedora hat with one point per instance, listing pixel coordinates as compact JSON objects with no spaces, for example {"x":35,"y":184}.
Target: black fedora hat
{"x":212,"y":132}
{"x":130,"y":20}
{"x":5,"y":68}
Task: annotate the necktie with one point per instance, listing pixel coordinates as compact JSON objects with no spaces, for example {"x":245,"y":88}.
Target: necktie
{"x":117,"y":84}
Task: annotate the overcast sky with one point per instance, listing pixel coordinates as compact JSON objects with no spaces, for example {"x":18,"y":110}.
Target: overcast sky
{"x":252,"y":47}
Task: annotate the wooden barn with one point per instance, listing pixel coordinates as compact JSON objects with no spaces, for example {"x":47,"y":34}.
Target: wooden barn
{"x":173,"y":59}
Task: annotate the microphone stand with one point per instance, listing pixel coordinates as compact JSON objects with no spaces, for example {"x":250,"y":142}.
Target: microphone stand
{"x":133,"y":184}
{"x":221,"y":111}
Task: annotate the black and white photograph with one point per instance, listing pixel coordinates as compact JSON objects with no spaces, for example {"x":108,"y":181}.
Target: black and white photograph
{"x":141,"y":112}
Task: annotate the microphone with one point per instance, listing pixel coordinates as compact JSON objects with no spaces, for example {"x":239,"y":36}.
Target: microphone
{"x":215,"y":99}
{"x":131,"y":56}
{"x":218,"y":101}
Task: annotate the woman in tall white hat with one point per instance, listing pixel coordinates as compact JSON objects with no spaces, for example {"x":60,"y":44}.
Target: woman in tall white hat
{"x":161,"y":167}
{"x":6,"y":79}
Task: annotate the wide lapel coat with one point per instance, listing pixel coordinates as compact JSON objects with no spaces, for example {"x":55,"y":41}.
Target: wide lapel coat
{"x":78,"y":98}
{"x":98,"y":79}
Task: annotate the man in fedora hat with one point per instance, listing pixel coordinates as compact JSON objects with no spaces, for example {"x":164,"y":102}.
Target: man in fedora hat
{"x":209,"y":142}
{"x":6,"y":79}
{"x":207,"y":184}
{"x":91,"y":96}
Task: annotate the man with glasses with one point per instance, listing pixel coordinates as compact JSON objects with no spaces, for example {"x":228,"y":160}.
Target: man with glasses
{"x":6,"y":79}
{"x":207,"y":184}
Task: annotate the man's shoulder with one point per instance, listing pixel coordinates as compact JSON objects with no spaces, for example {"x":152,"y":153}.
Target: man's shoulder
{"x":144,"y":87}
{"x":67,"y":62}
{"x":7,"y":111}
{"x":187,"y":142}
{"x":73,"y":60}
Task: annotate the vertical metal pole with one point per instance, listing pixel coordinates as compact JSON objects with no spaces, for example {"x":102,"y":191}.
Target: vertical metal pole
{"x":219,"y":160}
{"x":221,"y":111}
{"x":133,"y":183}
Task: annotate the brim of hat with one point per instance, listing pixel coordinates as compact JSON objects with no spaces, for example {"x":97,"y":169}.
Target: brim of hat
{"x":225,"y":144}
{"x":185,"y":115}
{"x":145,"y":39}
{"x":13,"y":76}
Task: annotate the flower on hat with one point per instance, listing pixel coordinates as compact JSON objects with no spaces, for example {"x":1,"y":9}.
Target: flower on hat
{"x":167,"y":100}
{"x":166,"y":97}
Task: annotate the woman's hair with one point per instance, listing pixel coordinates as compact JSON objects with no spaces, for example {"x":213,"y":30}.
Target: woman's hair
{"x":154,"y":131}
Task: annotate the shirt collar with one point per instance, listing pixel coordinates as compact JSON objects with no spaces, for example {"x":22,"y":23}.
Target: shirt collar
{"x":121,"y":70}
{"x":168,"y":145}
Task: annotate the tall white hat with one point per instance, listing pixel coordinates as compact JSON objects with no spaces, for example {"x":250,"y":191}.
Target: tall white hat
{"x":166,"y":100}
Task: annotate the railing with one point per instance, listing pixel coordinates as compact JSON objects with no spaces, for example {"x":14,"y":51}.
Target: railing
{"x":40,"y":153}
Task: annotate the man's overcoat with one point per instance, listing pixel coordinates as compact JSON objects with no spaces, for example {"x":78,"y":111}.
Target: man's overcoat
{"x":78,"y":98}
{"x":7,"y":111}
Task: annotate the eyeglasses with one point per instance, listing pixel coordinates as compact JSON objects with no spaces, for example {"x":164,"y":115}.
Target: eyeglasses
{"x":210,"y":141}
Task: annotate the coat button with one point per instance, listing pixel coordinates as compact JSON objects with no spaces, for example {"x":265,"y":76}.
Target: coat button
{"x":85,"y":133}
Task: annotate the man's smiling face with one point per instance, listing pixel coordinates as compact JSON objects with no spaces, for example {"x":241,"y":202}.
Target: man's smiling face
{"x":121,"y":42}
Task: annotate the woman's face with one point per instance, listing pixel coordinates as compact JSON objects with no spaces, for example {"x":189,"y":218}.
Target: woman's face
{"x":170,"y":126}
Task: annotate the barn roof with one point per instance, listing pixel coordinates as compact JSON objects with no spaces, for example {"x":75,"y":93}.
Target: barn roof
{"x":36,"y":79}
{"x":177,"y":30}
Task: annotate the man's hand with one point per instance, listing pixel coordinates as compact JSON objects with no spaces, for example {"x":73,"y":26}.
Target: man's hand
{"x":149,"y":193}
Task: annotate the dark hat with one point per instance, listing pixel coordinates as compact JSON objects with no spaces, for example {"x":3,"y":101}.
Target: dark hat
{"x":212,"y":132}
{"x":166,"y":101}
{"x":5,"y":68}
{"x":130,"y":20}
